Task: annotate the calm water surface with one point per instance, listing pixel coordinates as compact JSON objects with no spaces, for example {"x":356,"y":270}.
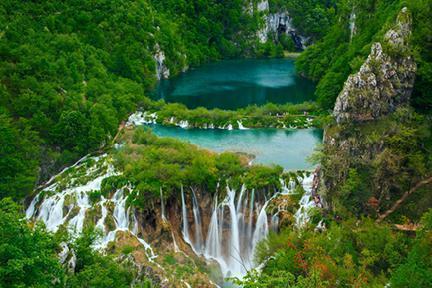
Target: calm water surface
{"x":287,"y":148}
{"x":237,"y":83}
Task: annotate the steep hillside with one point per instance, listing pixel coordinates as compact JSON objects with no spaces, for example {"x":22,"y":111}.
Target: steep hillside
{"x":344,"y":48}
{"x":378,"y":149}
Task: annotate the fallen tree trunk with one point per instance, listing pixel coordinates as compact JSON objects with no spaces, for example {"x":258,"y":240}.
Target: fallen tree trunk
{"x":395,"y":206}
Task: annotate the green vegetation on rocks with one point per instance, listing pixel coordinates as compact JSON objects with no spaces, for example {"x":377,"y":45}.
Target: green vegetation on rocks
{"x":303,"y":115}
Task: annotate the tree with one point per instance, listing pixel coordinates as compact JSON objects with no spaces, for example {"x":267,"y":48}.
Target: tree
{"x":27,"y":256}
{"x":19,"y":156}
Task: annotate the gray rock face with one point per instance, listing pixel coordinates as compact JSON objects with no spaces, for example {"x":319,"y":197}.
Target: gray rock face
{"x":162,"y":71}
{"x":384,"y":82}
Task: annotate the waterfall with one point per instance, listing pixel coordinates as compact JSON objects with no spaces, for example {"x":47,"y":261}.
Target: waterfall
{"x":120,"y":215}
{"x":306,"y":203}
{"x":275,"y":222}
{"x":251,"y":212}
{"x":176,"y":248}
{"x":213,"y":245}
{"x":76,"y":224}
{"x":51,"y":212}
{"x":31,"y":209}
{"x":56,"y":205}
{"x":185,"y":228}
{"x":198,"y":227}
{"x":164,"y":219}
{"x":352,"y":24}
{"x":261,"y":228}
{"x":233,"y":246}
{"x":232,"y":251}
{"x":240,"y":125}
{"x":101,"y":222}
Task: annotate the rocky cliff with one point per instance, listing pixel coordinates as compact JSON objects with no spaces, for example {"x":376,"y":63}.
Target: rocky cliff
{"x":385,"y":81}
{"x":366,"y":160}
{"x":277,"y":24}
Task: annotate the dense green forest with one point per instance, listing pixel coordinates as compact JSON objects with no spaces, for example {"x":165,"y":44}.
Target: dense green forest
{"x":338,"y":55}
{"x":72,"y":71}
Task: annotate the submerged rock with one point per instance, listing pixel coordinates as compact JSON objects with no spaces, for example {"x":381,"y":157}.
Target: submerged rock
{"x":385,"y":81}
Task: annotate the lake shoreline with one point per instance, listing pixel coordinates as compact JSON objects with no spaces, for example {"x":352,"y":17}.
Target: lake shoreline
{"x":289,"y":149}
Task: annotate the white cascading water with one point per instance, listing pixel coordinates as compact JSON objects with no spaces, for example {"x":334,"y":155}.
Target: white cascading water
{"x":213,"y":236}
{"x":164,"y":219}
{"x":261,"y":227}
{"x":235,"y":259}
{"x":198,"y":243}
{"x":352,"y":24}
{"x":76,"y":224}
{"x":50,"y":204}
{"x":249,"y":224}
{"x":240,"y":125}
{"x":185,"y":226}
{"x":237,"y":224}
{"x":306,"y":203}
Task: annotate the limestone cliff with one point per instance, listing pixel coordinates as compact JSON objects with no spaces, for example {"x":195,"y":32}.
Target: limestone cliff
{"x":384,"y":82}
{"x":366,"y":166}
{"x":277,"y":24}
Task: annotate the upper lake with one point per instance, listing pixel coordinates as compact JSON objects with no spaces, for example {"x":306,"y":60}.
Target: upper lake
{"x":232,"y":84}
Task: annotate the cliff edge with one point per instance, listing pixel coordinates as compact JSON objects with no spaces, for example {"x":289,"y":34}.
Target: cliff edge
{"x":385,"y":81}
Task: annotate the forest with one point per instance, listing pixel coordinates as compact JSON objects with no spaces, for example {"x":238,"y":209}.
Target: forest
{"x":72,"y":72}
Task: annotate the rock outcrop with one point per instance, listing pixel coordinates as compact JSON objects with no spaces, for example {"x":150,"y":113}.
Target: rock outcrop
{"x":162,"y":71}
{"x":384,"y":82}
{"x":361,"y":169}
{"x":276,"y":24}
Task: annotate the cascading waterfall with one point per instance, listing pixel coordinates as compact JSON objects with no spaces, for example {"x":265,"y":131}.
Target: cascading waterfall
{"x":76,"y":224}
{"x":57,"y":206}
{"x":185,"y":226}
{"x":198,"y":243}
{"x":352,"y":24}
{"x":162,"y":206}
{"x":234,"y":233}
{"x":235,"y":259}
{"x":306,"y":203}
{"x":261,"y":227}
{"x":238,"y":222}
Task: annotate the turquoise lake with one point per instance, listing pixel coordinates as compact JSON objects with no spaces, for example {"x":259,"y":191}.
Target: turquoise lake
{"x":232,"y":84}
{"x":287,"y":148}
{"x":238,"y":83}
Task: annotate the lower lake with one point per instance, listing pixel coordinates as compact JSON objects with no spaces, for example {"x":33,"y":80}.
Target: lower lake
{"x":287,"y":148}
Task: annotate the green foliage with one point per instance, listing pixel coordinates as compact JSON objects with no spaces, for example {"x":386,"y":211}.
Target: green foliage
{"x":311,"y":18}
{"x":331,"y":59}
{"x":18,"y":164}
{"x":350,"y":253}
{"x":95,"y":270}
{"x":72,"y":71}
{"x":416,"y":270}
{"x":366,"y":184}
{"x":268,"y":115}
{"x":27,"y":256}
{"x":154,"y":164}
{"x":263,"y":177}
